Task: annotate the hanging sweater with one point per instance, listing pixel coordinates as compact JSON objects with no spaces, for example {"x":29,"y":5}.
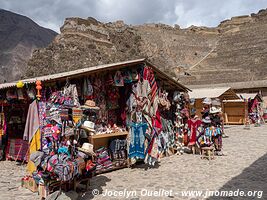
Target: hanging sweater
{"x":32,"y":122}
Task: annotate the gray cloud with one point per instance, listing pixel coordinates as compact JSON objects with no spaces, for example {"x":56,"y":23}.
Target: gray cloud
{"x":51,"y":13}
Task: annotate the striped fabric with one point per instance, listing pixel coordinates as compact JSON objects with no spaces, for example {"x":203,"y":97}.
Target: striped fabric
{"x":17,"y":149}
{"x":148,"y":74}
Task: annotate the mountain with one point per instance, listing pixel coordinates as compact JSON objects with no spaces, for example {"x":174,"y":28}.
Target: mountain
{"x":235,"y":50}
{"x":19,"y":36}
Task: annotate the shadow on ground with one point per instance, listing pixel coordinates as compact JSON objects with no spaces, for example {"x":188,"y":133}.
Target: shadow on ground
{"x":253,"y":178}
{"x":142,"y":165}
{"x":96,"y":185}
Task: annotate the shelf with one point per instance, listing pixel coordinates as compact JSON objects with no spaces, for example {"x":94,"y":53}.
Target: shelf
{"x":125,"y":133}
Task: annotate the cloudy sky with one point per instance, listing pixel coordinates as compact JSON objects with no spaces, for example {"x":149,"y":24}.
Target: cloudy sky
{"x":51,"y":13}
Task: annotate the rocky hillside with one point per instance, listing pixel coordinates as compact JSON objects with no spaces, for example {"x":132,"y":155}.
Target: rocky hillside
{"x":19,"y":36}
{"x":233,"y":51}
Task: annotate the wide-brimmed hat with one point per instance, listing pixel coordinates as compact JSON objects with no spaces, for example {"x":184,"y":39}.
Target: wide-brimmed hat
{"x":87,"y":148}
{"x":214,"y":110}
{"x":206,"y":120}
{"x":36,"y":157}
{"x":90,"y":104}
{"x":207,"y":101}
{"x":88,"y":126}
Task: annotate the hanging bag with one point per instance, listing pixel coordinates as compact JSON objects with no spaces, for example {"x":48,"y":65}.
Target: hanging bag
{"x":64,"y":114}
{"x":127,"y":76}
{"x":69,"y":130}
{"x":118,"y":79}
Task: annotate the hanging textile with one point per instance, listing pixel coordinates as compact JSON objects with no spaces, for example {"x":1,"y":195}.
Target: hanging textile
{"x":35,"y":145}
{"x":2,"y":132}
{"x":193,"y":125}
{"x":2,"y":125}
{"x":87,"y":89}
{"x":32,"y":132}
{"x":137,"y":147}
{"x":152,"y":152}
{"x":32,"y":122}
{"x":148,"y":74}
{"x":141,"y":91}
{"x":71,"y":91}
{"x":118,"y":79}
{"x":42,"y":113}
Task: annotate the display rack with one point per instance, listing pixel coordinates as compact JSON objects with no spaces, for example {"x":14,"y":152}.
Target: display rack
{"x":103,"y":140}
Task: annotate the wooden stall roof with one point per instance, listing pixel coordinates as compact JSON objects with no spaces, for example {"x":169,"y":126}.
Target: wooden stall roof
{"x":236,"y":85}
{"x":101,"y":68}
{"x":247,"y":96}
{"x":219,"y":92}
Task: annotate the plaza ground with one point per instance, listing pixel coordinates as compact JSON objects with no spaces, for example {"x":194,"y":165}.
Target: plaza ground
{"x":243,"y":168}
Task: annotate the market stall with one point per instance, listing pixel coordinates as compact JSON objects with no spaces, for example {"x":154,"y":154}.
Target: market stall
{"x":236,"y":111}
{"x":208,"y":115}
{"x":247,"y":109}
{"x":14,"y":106}
{"x":255,"y":107}
{"x":206,"y":130}
{"x":102,"y":118}
{"x":221,"y":93}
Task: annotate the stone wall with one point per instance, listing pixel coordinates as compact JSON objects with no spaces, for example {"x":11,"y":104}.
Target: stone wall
{"x":233,"y":51}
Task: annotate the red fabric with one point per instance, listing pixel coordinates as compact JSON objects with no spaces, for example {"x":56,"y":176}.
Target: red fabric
{"x":254,"y":105}
{"x":17,"y":149}
{"x":123,"y":117}
{"x":156,"y":121}
{"x":193,"y":125}
{"x":148,"y":74}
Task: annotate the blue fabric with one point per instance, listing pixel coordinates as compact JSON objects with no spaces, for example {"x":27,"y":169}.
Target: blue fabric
{"x":137,"y":146}
{"x":63,"y":150}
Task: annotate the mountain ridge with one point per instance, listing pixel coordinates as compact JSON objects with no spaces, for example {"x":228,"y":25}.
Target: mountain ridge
{"x":19,"y":36}
{"x":234,"y":51}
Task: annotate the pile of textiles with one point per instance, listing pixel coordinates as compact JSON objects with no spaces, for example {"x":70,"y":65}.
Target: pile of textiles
{"x":58,"y":166}
{"x":118,"y":149}
{"x":103,"y":161}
